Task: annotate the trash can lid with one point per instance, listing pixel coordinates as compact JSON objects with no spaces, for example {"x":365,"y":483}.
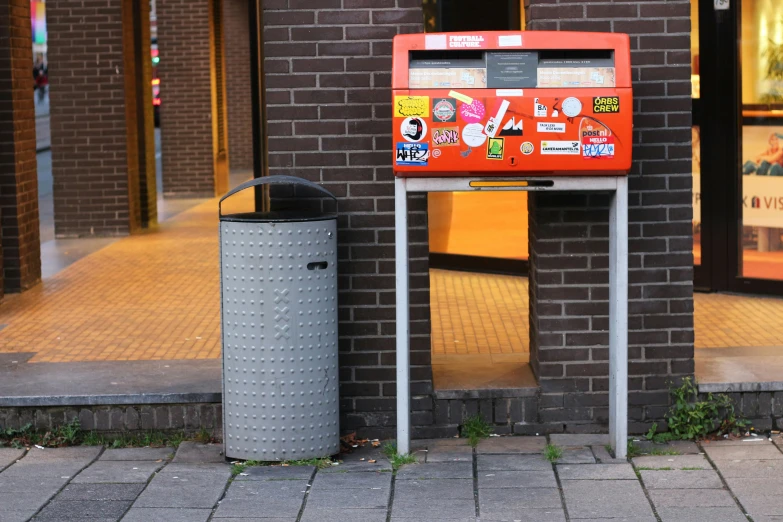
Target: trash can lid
{"x":279,"y":216}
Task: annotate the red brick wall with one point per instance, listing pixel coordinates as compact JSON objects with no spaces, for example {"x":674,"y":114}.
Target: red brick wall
{"x":19,"y":230}
{"x":327,"y":66}
{"x":237,"y":50}
{"x":569,"y":235}
{"x":94,"y":121}
{"x":186,"y":98}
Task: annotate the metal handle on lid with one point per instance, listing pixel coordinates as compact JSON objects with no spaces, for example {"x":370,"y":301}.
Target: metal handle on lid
{"x":273,"y":180}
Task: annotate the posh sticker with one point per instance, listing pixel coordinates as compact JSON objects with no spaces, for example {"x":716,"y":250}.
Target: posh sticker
{"x":412,"y":154}
{"x":495,"y":148}
{"x":472,"y":112}
{"x":413,"y":129}
{"x":545,"y":126}
{"x":473,"y":135}
{"x":561,"y":148}
{"x":445,"y":136}
{"x":408,"y":106}
{"x":539,"y":109}
{"x":444,"y":110}
{"x":604,"y":104}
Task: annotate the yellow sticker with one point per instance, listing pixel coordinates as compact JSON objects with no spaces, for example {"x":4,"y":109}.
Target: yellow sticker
{"x":411,"y":106}
{"x":461,"y":97}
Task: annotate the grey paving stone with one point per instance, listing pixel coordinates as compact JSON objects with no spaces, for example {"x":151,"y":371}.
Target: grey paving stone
{"x":576,"y":440}
{"x":100,"y":492}
{"x":577,"y":456}
{"x":417,"y":519}
{"x":708,"y":514}
{"x":500,"y":503}
{"x":151,"y":454}
{"x":680,"y":447}
{"x":596,"y":472}
{"x":604,"y":457}
{"x":434,"y":489}
{"x":195,"y":452}
{"x":349,"y":498}
{"x":635,"y":518}
{"x":767,"y":518}
{"x":193,"y":490}
{"x":253,"y":519}
{"x":436,"y":470}
{"x":695,"y":498}
{"x":440,"y":509}
{"x":344,"y":515}
{"x":276,"y":473}
{"x":83,"y":509}
{"x":742,"y":441}
{"x":745,"y":488}
{"x":352,"y":480}
{"x":751,"y":451}
{"x":438,"y":443}
{"x":281,"y":499}
{"x":197,"y":469}
{"x":17,"y":516}
{"x":750,"y":468}
{"x":516,"y":479}
{"x":512,"y":445}
{"x":116,"y":472}
{"x":9,"y":455}
{"x":167,"y":515}
{"x":606,"y":499}
{"x":672,"y":461}
{"x":380,"y":464}
{"x":529,"y":515}
{"x":678,"y":479}
{"x":70,"y":454}
{"x":449,"y":450}
{"x":512,"y":463}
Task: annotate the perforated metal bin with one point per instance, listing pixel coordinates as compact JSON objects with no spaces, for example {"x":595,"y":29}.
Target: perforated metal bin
{"x":279,"y":325}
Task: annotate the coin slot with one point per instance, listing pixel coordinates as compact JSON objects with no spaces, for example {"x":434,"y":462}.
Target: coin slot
{"x":319,"y":265}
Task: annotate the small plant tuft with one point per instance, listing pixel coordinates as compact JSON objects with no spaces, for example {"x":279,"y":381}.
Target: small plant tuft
{"x":397,"y":460}
{"x":691,"y":418}
{"x":553,"y":452}
{"x":475,"y":429}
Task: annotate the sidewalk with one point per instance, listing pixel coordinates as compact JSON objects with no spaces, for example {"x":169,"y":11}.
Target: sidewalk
{"x":504,"y":479}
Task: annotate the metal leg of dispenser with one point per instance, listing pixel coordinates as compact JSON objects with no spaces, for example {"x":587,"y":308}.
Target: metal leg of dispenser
{"x":618,"y":319}
{"x":403,"y":317}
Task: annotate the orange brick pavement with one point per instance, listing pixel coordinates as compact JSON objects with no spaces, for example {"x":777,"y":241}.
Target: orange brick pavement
{"x":152,"y":296}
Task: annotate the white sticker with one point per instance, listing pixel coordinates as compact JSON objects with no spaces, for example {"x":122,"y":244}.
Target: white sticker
{"x":510,"y":40}
{"x":473,"y":135}
{"x":544,"y":126}
{"x":539,"y":109}
{"x":561,"y":148}
{"x":494,"y":122}
{"x":508,"y":92}
{"x":572,"y":107}
{"x":434,"y":41}
{"x":413,"y":129}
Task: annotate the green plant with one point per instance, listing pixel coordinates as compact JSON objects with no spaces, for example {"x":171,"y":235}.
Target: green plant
{"x":475,"y":429}
{"x":691,"y":469}
{"x":658,"y":438}
{"x":320,"y":463}
{"x":690,"y":418}
{"x":552,"y":452}
{"x":397,"y":460}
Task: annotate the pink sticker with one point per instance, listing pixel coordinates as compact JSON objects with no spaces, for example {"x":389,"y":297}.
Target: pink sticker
{"x":472,"y":112}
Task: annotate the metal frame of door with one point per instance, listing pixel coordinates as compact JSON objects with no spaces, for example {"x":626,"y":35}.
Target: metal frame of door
{"x":719,"y":114}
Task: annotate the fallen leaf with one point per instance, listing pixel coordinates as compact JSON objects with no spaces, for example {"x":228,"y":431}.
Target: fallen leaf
{"x":375,"y":443}
{"x":361,"y":458}
{"x":371,"y":461}
{"x":285,"y":465}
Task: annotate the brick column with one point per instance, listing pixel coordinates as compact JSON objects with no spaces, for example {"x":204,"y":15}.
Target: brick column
{"x":569,"y":245}
{"x":192,"y":93}
{"x":19,"y":230}
{"x":239,"y":106}
{"x":100,"y":117}
{"x":327,"y":67}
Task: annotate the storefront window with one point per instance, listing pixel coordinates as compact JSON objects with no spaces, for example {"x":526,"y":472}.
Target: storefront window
{"x":761,"y":226}
{"x":696,"y":161}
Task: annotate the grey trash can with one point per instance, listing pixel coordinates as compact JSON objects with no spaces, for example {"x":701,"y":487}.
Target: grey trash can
{"x":279,"y":325}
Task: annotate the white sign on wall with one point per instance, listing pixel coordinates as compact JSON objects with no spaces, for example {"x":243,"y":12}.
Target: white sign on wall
{"x":762,"y":200}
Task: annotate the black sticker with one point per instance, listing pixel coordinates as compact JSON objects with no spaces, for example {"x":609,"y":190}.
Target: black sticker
{"x":604,"y":104}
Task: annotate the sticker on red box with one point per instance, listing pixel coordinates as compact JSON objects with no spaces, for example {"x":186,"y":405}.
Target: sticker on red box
{"x":598,"y":147}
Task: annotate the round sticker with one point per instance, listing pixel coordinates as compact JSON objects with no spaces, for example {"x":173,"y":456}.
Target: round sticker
{"x":436,"y":153}
{"x":473,"y":135}
{"x":526,"y":148}
{"x":413,"y":129}
{"x":444,"y":110}
{"x":572,"y":107}
{"x":472,"y":112}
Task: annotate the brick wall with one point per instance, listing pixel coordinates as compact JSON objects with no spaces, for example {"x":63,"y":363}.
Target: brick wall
{"x":568,"y":235}
{"x":21,"y":253}
{"x":327,"y":70}
{"x":94,"y":120}
{"x":186,"y":93}
{"x":237,"y":50}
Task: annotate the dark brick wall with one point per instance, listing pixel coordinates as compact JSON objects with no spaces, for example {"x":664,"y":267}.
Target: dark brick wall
{"x":21,"y":253}
{"x":187,"y":89}
{"x":327,"y":67}
{"x":237,"y":50}
{"x":568,"y":235}
{"x":95,"y":123}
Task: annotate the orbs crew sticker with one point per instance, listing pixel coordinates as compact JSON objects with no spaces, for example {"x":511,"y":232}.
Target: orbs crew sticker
{"x":412,"y":154}
{"x":409,"y":106}
{"x":413,"y":129}
{"x":604,"y":104}
{"x":445,"y":136}
{"x":444,"y":110}
{"x":495,"y":148}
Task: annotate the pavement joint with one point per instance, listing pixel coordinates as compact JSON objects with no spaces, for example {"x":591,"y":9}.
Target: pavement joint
{"x":726,"y":484}
{"x":307,"y":494}
{"x":646,"y":491}
{"x":391,"y":493}
{"x":475,"y":483}
{"x":561,"y":492}
{"x":24,"y":454}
